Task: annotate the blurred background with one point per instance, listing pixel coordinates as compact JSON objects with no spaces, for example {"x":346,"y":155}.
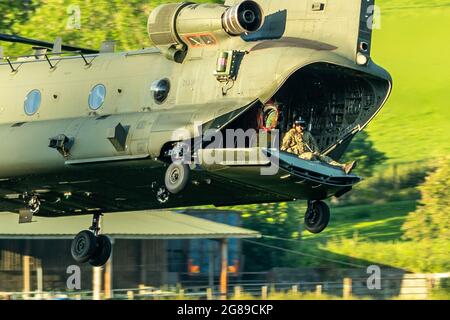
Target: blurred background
{"x":398,"y":218}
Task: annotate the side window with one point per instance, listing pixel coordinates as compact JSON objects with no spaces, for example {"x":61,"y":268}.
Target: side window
{"x":97,"y":97}
{"x":32,"y":102}
{"x":160,"y":90}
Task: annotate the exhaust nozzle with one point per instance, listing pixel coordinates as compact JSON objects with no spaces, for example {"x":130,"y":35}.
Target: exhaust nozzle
{"x":244,"y":17}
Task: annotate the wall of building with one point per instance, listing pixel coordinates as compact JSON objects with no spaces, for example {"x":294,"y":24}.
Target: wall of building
{"x":135,"y":262}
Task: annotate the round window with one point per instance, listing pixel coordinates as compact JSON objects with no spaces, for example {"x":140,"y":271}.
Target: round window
{"x":32,"y":102}
{"x":97,"y":97}
{"x":160,"y":90}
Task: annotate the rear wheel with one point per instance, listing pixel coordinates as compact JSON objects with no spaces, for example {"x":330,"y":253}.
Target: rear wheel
{"x":83,"y":246}
{"x":317,"y":217}
{"x":177,"y":177}
{"x":103,"y":252}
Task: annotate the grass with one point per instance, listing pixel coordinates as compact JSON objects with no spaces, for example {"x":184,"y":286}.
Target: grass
{"x":372,"y":234}
{"x":411,"y":45}
{"x":419,"y":257}
{"x":440,"y":294}
{"x":376,"y":223}
{"x":273,"y":296}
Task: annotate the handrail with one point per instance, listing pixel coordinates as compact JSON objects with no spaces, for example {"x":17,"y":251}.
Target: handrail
{"x":47,"y":58}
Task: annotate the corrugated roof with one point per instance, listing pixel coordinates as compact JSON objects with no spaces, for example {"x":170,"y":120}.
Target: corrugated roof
{"x":124,"y":225}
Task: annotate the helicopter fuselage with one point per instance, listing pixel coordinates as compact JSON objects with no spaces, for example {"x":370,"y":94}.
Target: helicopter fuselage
{"x":101,"y":134}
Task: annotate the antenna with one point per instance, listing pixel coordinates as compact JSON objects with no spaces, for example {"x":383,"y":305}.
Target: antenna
{"x":57,"y":46}
{"x":108,"y":46}
{"x":45,"y":44}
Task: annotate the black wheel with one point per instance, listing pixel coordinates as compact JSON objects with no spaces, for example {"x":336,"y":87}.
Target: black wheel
{"x":317,"y":217}
{"x":103,"y":252}
{"x":177,"y":177}
{"x":83,"y":246}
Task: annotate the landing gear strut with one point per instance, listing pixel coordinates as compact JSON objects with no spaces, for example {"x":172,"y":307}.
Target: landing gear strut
{"x":178,"y":172}
{"x":33,"y":205}
{"x":90,"y":246}
{"x":317,"y":216}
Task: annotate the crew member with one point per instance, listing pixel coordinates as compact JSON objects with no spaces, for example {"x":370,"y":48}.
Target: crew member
{"x":301,"y":142}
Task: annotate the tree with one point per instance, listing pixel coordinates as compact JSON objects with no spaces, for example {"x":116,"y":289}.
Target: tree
{"x":362,"y":149}
{"x":14,"y":11}
{"x":85,"y":23}
{"x":278,"y":220}
{"x":431,"y":220}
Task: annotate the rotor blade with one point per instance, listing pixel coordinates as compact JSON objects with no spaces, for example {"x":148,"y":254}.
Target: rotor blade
{"x":45,"y":44}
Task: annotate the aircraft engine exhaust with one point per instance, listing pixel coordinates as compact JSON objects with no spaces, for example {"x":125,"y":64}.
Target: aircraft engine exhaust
{"x":173,"y":28}
{"x":246,"y":16}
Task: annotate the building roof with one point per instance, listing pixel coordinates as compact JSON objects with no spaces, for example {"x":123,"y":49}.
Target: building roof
{"x":124,"y":225}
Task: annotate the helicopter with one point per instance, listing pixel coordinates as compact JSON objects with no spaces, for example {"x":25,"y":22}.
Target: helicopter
{"x":196,"y":119}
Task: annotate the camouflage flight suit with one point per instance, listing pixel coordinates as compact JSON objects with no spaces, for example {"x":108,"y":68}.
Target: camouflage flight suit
{"x":305,"y":146}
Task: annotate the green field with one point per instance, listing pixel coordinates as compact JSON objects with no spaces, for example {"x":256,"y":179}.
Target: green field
{"x":413,"y":45}
{"x":365,"y":235}
{"x":368,"y":222}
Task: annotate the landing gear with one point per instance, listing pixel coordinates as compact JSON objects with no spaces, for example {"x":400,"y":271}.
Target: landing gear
{"x":101,"y":256}
{"x":177,"y":177}
{"x":33,"y":206}
{"x":84,"y":246}
{"x":178,"y":173}
{"x":90,"y":246}
{"x":317,"y":216}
